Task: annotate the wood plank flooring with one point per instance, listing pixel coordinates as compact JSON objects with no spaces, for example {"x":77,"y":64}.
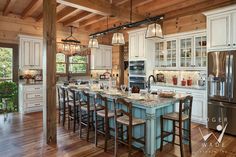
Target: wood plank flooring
{"x":22,"y":136}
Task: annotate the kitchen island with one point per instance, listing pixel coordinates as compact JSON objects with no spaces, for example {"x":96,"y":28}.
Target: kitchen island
{"x":149,"y":108}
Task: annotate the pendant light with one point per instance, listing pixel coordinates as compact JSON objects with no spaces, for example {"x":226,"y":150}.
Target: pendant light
{"x":118,"y":39}
{"x":69,"y":46}
{"x":93,"y":43}
{"x":154,"y":30}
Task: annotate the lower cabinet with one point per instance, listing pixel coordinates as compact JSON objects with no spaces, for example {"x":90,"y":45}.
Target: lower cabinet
{"x":30,"y":98}
{"x":199,"y":106}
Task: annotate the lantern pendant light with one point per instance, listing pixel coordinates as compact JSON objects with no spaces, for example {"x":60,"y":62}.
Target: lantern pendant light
{"x":154,"y":30}
{"x":93,"y":43}
{"x":118,"y":39}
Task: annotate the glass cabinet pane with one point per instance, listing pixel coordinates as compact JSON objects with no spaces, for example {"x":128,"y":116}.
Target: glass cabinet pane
{"x":159,"y":50}
{"x":200,"y":51}
{"x":186,"y":52}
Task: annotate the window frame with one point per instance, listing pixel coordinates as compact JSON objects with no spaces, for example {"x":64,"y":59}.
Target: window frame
{"x":67,"y":63}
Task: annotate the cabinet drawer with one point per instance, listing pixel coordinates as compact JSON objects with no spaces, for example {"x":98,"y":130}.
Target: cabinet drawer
{"x":33,"y":88}
{"x":33,"y":104}
{"x":33,"y":95}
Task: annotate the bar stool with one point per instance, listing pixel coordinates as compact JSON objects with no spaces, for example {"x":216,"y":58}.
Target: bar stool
{"x":62,"y":102}
{"x":101,"y":110}
{"x":86,"y":113}
{"x":125,"y":118}
{"x":184,"y":114}
{"x":73,"y":105}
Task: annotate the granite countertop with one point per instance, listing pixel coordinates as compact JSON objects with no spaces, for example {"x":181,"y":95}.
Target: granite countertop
{"x":179,"y":86}
{"x":151,"y":101}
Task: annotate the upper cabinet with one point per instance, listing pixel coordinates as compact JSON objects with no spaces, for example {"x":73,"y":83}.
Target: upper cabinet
{"x":101,"y":58}
{"x":221,"y":33}
{"x":182,"y":51}
{"x":137,"y":45}
{"x":30,"y":52}
{"x":166,"y":53}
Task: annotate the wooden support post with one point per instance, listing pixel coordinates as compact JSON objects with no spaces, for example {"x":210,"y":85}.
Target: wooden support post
{"x":49,"y":71}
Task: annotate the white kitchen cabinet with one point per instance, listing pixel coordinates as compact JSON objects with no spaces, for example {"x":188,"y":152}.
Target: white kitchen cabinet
{"x":101,"y":58}
{"x":30,"y":52}
{"x":199,"y":105}
{"x":221,"y":25}
{"x":137,"y":45}
{"x":30,"y":98}
{"x":166,"y":53}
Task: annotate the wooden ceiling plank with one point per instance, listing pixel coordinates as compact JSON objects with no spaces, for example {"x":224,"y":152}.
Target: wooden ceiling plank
{"x":33,"y":6}
{"x":79,"y":16}
{"x":40,"y":16}
{"x":8,"y":7}
{"x":102,"y":24}
{"x":102,"y":7}
{"x":208,"y":5}
{"x":64,"y":12}
{"x":91,"y":20}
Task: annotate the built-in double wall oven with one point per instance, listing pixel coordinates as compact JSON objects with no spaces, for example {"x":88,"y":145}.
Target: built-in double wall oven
{"x":137,"y":74}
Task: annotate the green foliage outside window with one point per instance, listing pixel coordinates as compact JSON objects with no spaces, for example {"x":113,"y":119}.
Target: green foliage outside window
{"x":6,"y":63}
{"x":61,"y":63}
{"x":78,"y":64}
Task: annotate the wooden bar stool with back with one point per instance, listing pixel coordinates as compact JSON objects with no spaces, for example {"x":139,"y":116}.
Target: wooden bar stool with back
{"x":124,"y":116}
{"x":73,"y":107}
{"x":184,"y":115}
{"x":62,"y":105}
{"x":102,"y":111}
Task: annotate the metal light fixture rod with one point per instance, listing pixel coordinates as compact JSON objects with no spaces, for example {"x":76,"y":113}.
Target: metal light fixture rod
{"x":128,"y":25}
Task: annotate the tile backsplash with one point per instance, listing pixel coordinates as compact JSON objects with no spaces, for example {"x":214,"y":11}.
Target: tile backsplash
{"x":194,"y":75}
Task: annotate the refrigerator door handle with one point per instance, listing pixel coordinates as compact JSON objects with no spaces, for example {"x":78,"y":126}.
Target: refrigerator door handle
{"x":231,"y":77}
{"x":227,"y":77}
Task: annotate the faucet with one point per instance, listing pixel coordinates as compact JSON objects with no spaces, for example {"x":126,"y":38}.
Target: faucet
{"x":149,"y":82}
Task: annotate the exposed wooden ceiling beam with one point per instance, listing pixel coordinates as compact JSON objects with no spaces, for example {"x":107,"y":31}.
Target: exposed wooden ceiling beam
{"x":34,"y":5}
{"x":91,"y":20}
{"x":40,"y":16}
{"x":102,"y":7}
{"x":80,"y":16}
{"x":9,"y":5}
{"x":65,"y":12}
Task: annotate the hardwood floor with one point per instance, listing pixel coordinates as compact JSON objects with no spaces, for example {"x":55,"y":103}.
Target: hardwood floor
{"x":22,"y":136}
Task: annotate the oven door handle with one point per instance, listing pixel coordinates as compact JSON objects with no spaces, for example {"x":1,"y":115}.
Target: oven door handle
{"x":137,"y":81}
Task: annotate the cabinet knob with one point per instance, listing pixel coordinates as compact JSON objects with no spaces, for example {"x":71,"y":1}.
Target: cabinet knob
{"x":234,"y":44}
{"x":228,"y":44}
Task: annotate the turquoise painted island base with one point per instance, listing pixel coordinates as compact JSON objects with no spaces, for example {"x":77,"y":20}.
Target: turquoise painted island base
{"x":149,"y":110}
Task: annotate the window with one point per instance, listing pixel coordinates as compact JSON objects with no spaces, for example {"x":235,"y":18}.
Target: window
{"x":6,"y":61}
{"x":73,"y":64}
{"x":61,"y":63}
{"x":78,"y":64}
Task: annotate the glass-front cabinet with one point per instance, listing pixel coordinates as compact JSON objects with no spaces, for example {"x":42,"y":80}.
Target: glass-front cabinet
{"x":166,"y":53}
{"x":200,"y":51}
{"x":186,"y":52}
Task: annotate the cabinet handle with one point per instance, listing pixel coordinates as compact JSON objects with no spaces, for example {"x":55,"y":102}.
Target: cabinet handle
{"x":36,"y":88}
{"x":37,"y":104}
{"x":188,"y":93}
{"x":136,"y":56}
{"x":37,"y":95}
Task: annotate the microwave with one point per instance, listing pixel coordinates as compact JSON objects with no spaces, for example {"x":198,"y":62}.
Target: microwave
{"x":137,"y":68}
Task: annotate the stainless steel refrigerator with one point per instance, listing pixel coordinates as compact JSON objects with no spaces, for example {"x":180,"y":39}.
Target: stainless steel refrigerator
{"x":222,"y":91}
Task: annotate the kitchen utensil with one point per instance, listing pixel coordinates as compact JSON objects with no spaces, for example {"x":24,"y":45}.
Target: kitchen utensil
{"x":160,"y":77}
{"x":201,"y":82}
{"x":167,"y":94}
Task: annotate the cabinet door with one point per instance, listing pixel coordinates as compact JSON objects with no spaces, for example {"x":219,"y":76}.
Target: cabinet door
{"x":219,"y":32}
{"x":37,"y":53}
{"x":159,"y":52}
{"x":141,"y":44}
{"x":233,"y":30}
{"x":198,"y":107}
{"x":98,"y":59}
{"x":200,"y":55}
{"x":171,"y":53}
{"x":107,"y":60}
{"x":133,"y":47}
{"x":186,"y":52}
{"x":25,"y":53}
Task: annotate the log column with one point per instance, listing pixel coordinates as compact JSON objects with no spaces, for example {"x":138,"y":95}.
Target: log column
{"x":49,"y":71}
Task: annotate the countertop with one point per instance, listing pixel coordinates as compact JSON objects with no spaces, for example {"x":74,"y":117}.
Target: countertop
{"x":179,"y":86}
